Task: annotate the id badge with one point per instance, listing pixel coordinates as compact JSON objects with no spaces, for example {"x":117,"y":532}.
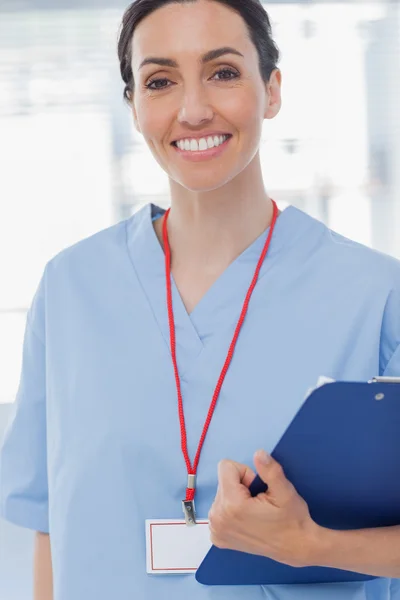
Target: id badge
{"x":174,"y":548}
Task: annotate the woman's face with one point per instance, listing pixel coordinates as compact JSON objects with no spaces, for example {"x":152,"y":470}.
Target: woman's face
{"x":194,"y":98}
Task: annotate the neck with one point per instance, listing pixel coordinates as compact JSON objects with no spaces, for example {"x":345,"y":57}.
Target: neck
{"x":208,"y":230}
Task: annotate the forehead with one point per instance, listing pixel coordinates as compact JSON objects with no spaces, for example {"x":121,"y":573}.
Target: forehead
{"x":189,"y":29}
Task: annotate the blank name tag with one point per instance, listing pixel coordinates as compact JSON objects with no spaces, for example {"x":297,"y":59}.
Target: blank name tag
{"x":173,"y":547}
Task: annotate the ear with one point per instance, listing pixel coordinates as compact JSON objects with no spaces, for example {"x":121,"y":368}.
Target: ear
{"x":273,"y":95}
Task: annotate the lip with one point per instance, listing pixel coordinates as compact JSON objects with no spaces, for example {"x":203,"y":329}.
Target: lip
{"x":202,"y":154}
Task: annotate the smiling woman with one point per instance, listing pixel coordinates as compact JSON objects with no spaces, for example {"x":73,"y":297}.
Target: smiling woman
{"x":195,"y":89}
{"x":172,"y":340}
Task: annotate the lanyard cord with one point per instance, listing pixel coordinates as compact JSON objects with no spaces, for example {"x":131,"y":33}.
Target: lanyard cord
{"x":192,"y":469}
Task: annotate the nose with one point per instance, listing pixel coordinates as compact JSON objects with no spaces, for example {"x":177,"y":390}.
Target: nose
{"x":195,"y":108}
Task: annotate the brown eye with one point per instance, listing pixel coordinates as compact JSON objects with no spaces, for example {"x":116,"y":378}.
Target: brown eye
{"x":226,"y":74}
{"x":157,"y":84}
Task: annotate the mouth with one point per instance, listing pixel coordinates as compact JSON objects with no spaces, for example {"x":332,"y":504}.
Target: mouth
{"x":203,"y":148}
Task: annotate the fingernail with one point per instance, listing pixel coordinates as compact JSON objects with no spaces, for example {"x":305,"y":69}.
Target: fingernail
{"x":263,"y":457}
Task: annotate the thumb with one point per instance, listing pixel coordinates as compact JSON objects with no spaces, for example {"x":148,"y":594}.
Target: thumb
{"x":271,"y":472}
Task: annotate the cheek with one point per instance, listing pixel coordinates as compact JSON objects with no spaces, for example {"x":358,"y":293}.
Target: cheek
{"x":252,"y":113}
{"x":244,"y":109}
{"x":152,"y":121}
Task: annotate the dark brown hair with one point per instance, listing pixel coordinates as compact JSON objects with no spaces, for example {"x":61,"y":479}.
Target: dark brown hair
{"x":252,"y":12}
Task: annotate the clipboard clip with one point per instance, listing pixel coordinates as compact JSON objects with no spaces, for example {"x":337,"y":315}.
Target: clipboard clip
{"x":385,"y":380}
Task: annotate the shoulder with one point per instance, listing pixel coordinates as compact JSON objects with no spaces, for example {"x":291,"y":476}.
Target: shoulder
{"x":378,"y":265}
{"x":103,"y":249}
{"x":367,"y":278}
{"x":346,"y":260}
{"x":75,"y":265}
{"x":92,"y":249}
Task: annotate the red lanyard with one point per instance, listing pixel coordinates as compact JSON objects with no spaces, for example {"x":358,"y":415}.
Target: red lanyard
{"x":188,"y":504}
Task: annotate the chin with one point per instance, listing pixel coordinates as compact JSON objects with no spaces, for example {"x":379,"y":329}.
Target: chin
{"x":202,"y":183}
{"x":202,"y":188}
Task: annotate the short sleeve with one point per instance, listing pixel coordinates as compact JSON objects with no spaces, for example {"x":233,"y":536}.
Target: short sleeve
{"x":23,"y":455}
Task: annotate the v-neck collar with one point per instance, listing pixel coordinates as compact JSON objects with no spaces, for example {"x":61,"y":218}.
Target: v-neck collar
{"x":147,"y":257}
{"x":210,"y":315}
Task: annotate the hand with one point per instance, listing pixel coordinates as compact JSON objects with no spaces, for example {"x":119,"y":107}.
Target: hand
{"x":276,"y":524}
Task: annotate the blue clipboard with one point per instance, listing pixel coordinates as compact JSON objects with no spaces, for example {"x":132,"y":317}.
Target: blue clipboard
{"x":342,"y":453}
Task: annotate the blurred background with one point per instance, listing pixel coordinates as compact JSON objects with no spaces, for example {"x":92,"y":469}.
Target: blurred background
{"x":72,"y":164}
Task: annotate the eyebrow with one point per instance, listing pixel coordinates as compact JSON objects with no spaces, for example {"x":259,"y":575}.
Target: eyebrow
{"x":209,"y":56}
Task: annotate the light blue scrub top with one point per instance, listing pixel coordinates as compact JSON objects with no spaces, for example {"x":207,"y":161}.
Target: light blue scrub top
{"x":93,"y":448}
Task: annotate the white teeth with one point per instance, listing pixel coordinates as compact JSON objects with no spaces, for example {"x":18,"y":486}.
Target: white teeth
{"x":201,"y":144}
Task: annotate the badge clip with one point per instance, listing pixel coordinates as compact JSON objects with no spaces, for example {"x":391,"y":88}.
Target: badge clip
{"x":189,"y":509}
{"x":190,"y":512}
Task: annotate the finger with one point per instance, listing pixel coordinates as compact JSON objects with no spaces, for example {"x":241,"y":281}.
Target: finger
{"x":247,"y":475}
{"x":232,"y":476}
{"x":271,"y":472}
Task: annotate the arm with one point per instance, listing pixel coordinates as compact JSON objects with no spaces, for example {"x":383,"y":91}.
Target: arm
{"x":371,"y":551}
{"x":43,"y":573}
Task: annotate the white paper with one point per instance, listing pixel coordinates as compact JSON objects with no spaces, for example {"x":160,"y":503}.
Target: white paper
{"x":174,"y":548}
